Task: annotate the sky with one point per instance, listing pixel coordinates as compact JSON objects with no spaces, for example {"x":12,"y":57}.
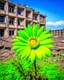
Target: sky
{"x":53,"y":9}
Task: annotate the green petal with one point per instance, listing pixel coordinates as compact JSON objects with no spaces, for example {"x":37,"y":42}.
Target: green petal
{"x":32,"y":55}
{"x":35,"y":29}
{"x":15,"y":47}
{"x":41,"y":52}
{"x":45,"y":37}
{"x":44,"y":33}
{"x":15,"y":40}
{"x":18,"y":38}
{"x":47,"y":41}
{"x":26,"y":51}
{"x":19,"y":54}
{"x":27,"y":55}
{"x":19,"y":44}
{"x":48,"y":46}
{"x":40,"y":31}
{"x":46,"y":50}
{"x":38,"y":54}
{"x":27,"y":31}
{"x":30,"y":30}
{"x":19,"y":50}
{"x":23,"y":34}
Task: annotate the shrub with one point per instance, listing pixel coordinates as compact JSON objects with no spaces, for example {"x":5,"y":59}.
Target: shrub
{"x":15,"y":69}
{"x":19,"y":69}
{"x":8,"y":72}
{"x":50,"y":70}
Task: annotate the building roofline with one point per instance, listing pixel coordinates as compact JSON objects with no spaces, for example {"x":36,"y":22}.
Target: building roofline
{"x":25,"y":6}
{"x":57,"y":30}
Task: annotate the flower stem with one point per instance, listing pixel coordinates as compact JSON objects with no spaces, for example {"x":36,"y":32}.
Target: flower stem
{"x":35,"y":69}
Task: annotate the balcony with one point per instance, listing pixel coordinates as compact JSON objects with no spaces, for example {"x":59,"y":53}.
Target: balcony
{"x":42,"y":22}
{"x":20,"y":13}
{"x":2,"y":25}
{"x":2,"y":7}
{"x":11,"y":14}
{"x":36,"y":21}
{"x":20,"y":26}
{"x":11,"y":26}
{"x":2,"y":12}
{"x":28,"y":15}
{"x":35,"y":18}
{"x":29,"y":19}
{"x":20,"y":16}
{"x":11,"y":11}
{"x":36,"y":13}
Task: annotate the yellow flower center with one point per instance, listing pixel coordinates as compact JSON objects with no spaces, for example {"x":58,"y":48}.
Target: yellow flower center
{"x":33,"y":42}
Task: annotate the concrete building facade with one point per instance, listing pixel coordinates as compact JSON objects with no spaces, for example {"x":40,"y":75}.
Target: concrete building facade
{"x":16,"y":16}
{"x":57,"y":33}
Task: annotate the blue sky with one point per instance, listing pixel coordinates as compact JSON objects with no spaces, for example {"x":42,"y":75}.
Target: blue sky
{"x":54,"y":9}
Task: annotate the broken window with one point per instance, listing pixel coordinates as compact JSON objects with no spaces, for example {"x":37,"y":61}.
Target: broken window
{"x":2,"y":18}
{"x":11,"y":21}
{"x":11,"y":9}
{"x":11,"y":32}
{"x":1,"y":6}
{"x":1,"y":32}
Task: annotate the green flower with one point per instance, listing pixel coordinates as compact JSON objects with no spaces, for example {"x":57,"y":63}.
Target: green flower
{"x":33,"y":43}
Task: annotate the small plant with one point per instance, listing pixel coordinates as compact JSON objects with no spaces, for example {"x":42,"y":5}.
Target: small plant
{"x":32,"y":44}
{"x":58,"y":57}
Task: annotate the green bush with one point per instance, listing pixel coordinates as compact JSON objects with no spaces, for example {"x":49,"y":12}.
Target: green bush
{"x":15,"y":69}
{"x":19,"y":69}
{"x":50,"y":70}
{"x":8,"y":72}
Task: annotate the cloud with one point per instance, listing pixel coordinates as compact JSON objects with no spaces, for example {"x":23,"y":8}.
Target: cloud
{"x":58,"y":23}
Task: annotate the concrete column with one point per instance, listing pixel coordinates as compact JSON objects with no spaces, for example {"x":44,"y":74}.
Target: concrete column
{"x":45,"y":23}
{"x":59,"y":32}
{"x":24,"y":16}
{"x":24,"y":22}
{"x":25,"y":12}
{"x":15,"y":32}
{"x":31,"y":14}
{"x":15,"y":21}
{"x":56,"y":32}
{"x":15,"y":10}
{"x":15,"y":25}
{"x":39,"y":20}
{"x":6,"y":32}
{"x":6,"y":7}
{"x":38,"y":17}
